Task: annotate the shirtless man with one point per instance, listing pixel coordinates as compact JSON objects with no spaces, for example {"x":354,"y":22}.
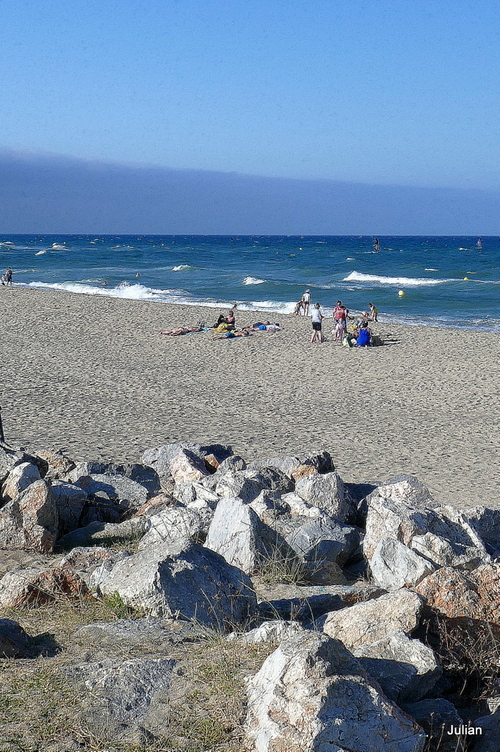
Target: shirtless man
{"x":306,"y":302}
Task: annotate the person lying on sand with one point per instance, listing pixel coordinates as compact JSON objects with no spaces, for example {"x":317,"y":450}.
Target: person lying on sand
{"x":244,"y":332}
{"x":182,"y":330}
{"x":267,"y":326}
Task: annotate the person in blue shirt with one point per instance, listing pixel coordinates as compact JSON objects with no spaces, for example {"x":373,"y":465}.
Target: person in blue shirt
{"x":363,"y":336}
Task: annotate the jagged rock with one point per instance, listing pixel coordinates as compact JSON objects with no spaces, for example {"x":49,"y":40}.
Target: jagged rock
{"x":326,"y":492}
{"x":70,"y":501}
{"x":20,"y":477}
{"x":475,"y":595}
{"x":117,"y":695}
{"x":311,"y":695}
{"x":192,"y":493}
{"x":405,"y":511}
{"x":324,"y":540}
{"x":269,"y":506}
{"x":235,"y":462}
{"x":487,"y":733}
{"x":271,"y":631}
{"x":405,"y":668}
{"x":300,"y":507}
{"x":436,"y":717}
{"x":271,"y":478}
{"x":155,"y":505}
{"x":84,"y":469}
{"x":83,"y":560}
{"x":236,"y":484}
{"x":299,"y":465}
{"x":394,"y":565}
{"x":101,"y":509}
{"x":170,"y":526}
{"x":118,"y":488}
{"x":486,"y":523}
{"x":30,"y":521}
{"x":58,"y":464}
{"x":105,"y":533}
{"x":368,"y":622}
{"x":14,"y":641}
{"x":237,"y":534}
{"x":311,"y":601}
{"x":34,"y":587}
{"x":186,"y":467}
{"x":186,"y":580}
{"x":160,"y":458}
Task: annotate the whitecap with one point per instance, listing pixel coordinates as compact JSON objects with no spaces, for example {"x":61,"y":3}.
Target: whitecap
{"x":40,"y":253}
{"x":254,"y":281}
{"x":401,"y":281}
{"x":58,"y":247}
{"x":182,"y":268}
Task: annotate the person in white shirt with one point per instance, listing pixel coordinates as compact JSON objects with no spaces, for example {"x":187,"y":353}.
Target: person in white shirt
{"x":317,"y":318}
{"x":306,"y":301}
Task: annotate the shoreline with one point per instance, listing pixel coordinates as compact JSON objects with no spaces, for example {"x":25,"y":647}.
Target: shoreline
{"x":91,"y":375}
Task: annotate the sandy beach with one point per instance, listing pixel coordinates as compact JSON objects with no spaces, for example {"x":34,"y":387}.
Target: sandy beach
{"x":92,"y":376}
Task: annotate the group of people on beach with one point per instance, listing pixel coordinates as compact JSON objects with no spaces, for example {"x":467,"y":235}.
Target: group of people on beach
{"x":359,"y":333}
{"x":225,"y":328}
{"x":7,"y":278}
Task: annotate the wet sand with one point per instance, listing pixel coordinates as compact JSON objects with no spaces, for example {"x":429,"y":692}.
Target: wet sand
{"x":94,"y":377}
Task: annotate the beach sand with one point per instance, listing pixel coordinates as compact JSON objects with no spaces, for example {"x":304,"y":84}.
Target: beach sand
{"x":92,"y":376}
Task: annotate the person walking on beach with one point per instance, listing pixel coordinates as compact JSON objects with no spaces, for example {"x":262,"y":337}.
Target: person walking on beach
{"x":373,"y":312}
{"x":306,"y":302}
{"x":7,"y":277}
{"x":317,"y":318}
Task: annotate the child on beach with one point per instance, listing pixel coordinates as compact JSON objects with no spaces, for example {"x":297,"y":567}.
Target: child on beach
{"x":317,"y":318}
{"x":373,"y":312}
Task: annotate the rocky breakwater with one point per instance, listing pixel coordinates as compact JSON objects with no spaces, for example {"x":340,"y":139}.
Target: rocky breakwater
{"x":341,"y":619}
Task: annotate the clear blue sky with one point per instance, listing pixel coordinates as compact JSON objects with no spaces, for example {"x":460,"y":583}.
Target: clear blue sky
{"x":377,"y":91}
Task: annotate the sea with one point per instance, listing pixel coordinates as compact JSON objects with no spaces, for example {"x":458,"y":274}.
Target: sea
{"x":431,"y":281}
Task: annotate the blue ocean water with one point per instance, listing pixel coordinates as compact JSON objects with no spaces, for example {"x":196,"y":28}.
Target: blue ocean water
{"x":446,"y":281}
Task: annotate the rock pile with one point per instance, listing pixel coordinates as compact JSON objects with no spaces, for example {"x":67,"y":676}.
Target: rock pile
{"x":203,"y":533}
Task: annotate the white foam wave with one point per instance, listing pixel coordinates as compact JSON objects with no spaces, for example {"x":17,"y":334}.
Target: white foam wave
{"x":401,"y":281}
{"x":182,"y":268}
{"x":254,"y":281}
{"x":58,"y":247}
{"x":40,"y":253}
{"x":132,"y":292}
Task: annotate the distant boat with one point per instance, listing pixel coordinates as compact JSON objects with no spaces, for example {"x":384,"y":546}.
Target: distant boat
{"x":479,"y":244}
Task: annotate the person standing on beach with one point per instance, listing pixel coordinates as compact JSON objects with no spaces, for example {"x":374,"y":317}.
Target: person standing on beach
{"x":306,"y":302}
{"x":8,"y":277}
{"x":317,"y":318}
{"x":340,"y":312}
{"x":373,"y":312}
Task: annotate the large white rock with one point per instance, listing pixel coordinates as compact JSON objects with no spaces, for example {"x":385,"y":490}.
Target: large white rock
{"x":30,"y":521}
{"x":406,"y":512}
{"x":20,"y":477}
{"x":170,"y":526}
{"x":326,"y":492}
{"x":311,"y":695}
{"x":185,"y":580}
{"x":370,"y":621}
{"x":237,"y":534}
{"x":394,"y":565}
{"x":405,"y":668}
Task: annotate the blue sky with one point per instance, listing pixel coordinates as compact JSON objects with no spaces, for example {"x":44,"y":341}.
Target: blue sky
{"x":377,"y":91}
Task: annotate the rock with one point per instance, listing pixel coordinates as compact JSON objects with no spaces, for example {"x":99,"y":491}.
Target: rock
{"x":34,"y":587}
{"x":14,"y":641}
{"x":118,"y":488}
{"x":192,"y":492}
{"x":70,"y":501}
{"x":160,"y":458}
{"x":271,"y":478}
{"x":368,"y":622}
{"x":145,"y":476}
{"x":486,"y":523}
{"x":235,"y":462}
{"x":117,"y":695}
{"x":299,"y":507}
{"x":83,"y":560}
{"x":299,"y":465}
{"x":437,"y":716}
{"x":236,"y":484}
{"x":405,"y":511}
{"x":20,"y":477}
{"x":405,"y":669}
{"x":311,"y":695}
{"x":324,"y":540}
{"x":170,"y":526}
{"x":327,"y":493}
{"x":186,"y":467}
{"x":9,"y":458}
{"x":394,"y":565}
{"x":58,"y":464}
{"x":101,"y":509}
{"x":486,"y":732}
{"x":186,"y":581}
{"x":30,"y":521}
{"x":237,"y":534}
{"x":271,"y":631}
{"x":308,"y":603}
{"x":155,"y":505}
{"x":84,"y":469}
{"x":147,"y":634}
{"x":474,"y":595}
{"x":105,"y":533}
